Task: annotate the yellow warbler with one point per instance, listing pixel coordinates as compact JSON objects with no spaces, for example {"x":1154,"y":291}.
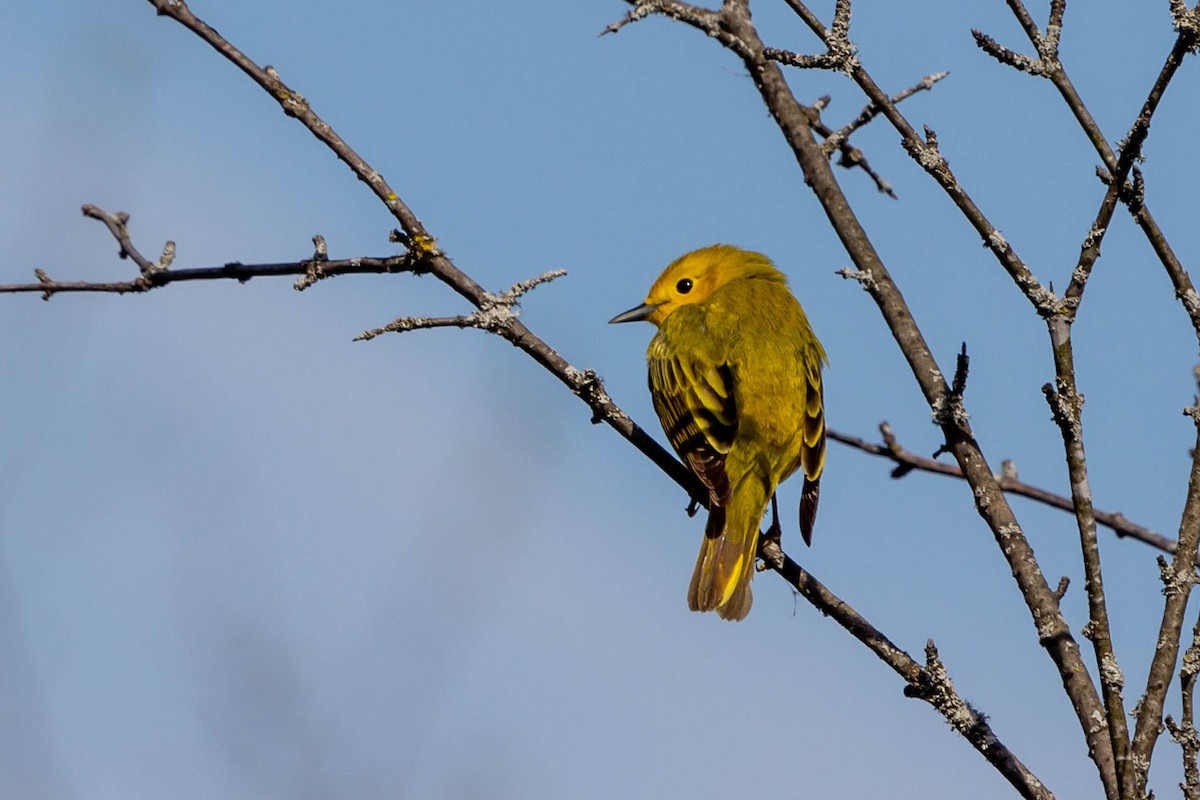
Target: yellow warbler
{"x":735,"y":376}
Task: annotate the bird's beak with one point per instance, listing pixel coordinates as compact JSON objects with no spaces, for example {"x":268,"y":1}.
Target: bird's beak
{"x":634,"y":314}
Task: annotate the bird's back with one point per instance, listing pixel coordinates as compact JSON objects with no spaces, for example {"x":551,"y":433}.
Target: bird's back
{"x":773,"y":357}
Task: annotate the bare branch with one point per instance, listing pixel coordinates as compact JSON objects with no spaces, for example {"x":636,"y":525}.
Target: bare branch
{"x":475,"y":319}
{"x":316,"y":269}
{"x":840,"y":55}
{"x":861,"y":276}
{"x":801,"y":61}
{"x":1184,"y":732}
{"x":296,"y":106}
{"x":1184,"y":289}
{"x":155,"y":275}
{"x":1066,"y":406}
{"x":871,"y":110}
{"x":1059,"y":315}
{"x":1047,"y":62}
{"x":1054,"y":27}
{"x":496,"y":315}
{"x":641,"y":11}
{"x":118,"y":226}
{"x":522,"y":287}
{"x":930,"y":682}
{"x":935,"y":687}
{"x":1130,"y":152}
{"x":1060,"y":591}
{"x":700,"y":18}
{"x":838,"y":141}
{"x":907,"y":461}
{"x":1178,"y":579}
{"x":366,"y":265}
{"x":1034,"y":66}
{"x":948,"y":410}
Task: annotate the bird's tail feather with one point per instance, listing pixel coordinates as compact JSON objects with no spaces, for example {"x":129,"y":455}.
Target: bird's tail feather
{"x":808,"y":507}
{"x":721,"y":581}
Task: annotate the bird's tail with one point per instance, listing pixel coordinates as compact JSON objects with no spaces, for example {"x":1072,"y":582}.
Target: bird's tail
{"x":728,"y":553}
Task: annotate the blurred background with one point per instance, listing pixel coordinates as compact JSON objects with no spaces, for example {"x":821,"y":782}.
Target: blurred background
{"x":244,"y":556}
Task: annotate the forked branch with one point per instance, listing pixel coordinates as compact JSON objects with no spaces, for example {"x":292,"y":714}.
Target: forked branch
{"x":839,"y":141}
{"x":1115,"y":164}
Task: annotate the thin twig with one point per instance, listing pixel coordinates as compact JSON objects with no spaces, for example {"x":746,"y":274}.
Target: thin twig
{"x":159,"y":275}
{"x":118,"y":226}
{"x":871,"y":110}
{"x":698,"y":17}
{"x":497,"y":314}
{"x":840,"y":53}
{"x":839,"y":141}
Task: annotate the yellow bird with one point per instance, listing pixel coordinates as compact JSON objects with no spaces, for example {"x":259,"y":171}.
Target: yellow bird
{"x":735,"y":376}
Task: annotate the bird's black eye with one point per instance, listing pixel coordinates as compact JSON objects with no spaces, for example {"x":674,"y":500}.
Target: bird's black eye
{"x":684,"y":286}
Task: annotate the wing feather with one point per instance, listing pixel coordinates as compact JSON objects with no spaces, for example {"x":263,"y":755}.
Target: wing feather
{"x":694,"y":402}
{"x":812,"y":458}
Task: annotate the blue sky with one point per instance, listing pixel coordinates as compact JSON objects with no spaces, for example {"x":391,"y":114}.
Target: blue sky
{"x":244,"y":556}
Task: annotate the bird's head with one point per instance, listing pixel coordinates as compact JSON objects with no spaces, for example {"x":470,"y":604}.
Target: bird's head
{"x":694,"y":277}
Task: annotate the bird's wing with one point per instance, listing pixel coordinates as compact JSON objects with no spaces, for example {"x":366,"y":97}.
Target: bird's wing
{"x":694,"y":401}
{"x":812,"y":456}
